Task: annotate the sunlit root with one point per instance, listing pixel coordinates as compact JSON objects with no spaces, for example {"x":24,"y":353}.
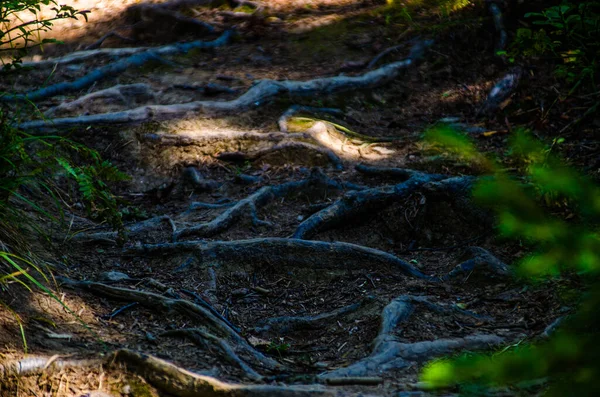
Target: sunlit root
{"x":283,"y":147}
{"x":388,"y":353}
{"x":283,"y":253}
{"x":38,"y":364}
{"x":113,"y":69}
{"x":257,"y":96}
{"x":355,"y":204}
{"x":181,"y":383}
{"x":287,"y":324}
{"x":186,"y":308}
{"x":121,"y":94}
{"x":335,"y":136}
{"x":168,"y":378}
{"x":317,"y":183}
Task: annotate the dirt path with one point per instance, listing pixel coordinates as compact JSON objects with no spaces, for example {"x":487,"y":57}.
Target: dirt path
{"x":257,"y":252}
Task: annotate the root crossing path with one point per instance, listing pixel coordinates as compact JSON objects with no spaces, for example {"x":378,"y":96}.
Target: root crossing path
{"x":287,"y":232}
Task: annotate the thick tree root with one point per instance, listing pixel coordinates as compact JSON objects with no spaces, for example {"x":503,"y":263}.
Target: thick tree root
{"x":316,"y":184}
{"x":389,"y":354}
{"x":186,"y":308}
{"x":502,"y":90}
{"x":282,"y":147}
{"x":130,"y":230}
{"x":342,"y":133}
{"x":283,"y":253}
{"x":285,"y":325}
{"x":210,"y":342}
{"x":210,"y":138}
{"x":179,"y":382}
{"x":122,"y":94}
{"x":108,"y":35}
{"x":169,"y":378}
{"x":355,"y":204}
{"x":483,"y":262}
{"x":256,"y":96}
{"x":115,"y":68}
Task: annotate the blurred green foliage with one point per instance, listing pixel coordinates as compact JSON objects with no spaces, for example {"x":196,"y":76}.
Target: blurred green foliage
{"x":40,"y":176}
{"x":568,"y":359}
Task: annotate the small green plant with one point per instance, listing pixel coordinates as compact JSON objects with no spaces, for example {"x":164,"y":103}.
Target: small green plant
{"x":18,"y":33}
{"x":278,"y":347}
{"x":35,"y":170}
{"x":569,"y":32}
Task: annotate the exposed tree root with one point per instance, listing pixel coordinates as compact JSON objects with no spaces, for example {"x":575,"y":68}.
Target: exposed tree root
{"x":281,"y":147}
{"x":346,"y":133}
{"x":388,"y":353}
{"x":102,"y":39}
{"x":194,"y":178}
{"x":399,"y":173}
{"x":454,"y":122}
{"x":315,"y":184}
{"x":256,"y":96}
{"x":115,"y":68}
{"x":283,"y":253}
{"x":169,"y":378}
{"x":112,"y":237}
{"x":496,"y":12}
{"x":481,"y":260}
{"x":179,"y":382}
{"x":123,"y":94}
{"x":354,"y":204}
{"x":502,"y":90}
{"x":214,"y":137}
{"x":287,"y":324}
{"x":80,"y":56}
{"x":183,"y":307}
{"x":210,"y":342}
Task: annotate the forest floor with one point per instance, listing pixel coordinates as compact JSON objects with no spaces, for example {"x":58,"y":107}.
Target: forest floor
{"x":248,"y":270}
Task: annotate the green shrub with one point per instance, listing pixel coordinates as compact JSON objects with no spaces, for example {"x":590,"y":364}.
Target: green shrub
{"x":569,"y":32}
{"x":35,"y":170}
{"x":568,"y":358}
{"x":18,"y":35}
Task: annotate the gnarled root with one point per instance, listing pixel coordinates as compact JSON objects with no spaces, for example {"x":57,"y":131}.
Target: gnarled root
{"x":483,"y":262}
{"x":122,"y":94}
{"x":316,"y":183}
{"x":111,"y":70}
{"x":283,"y":253}
{"x":256,"y":96}
{"x":283,"y":147}
{"x":388,"y":353}
{"x":355,"y":204}
{"x":167,"y":377}
{"x":186,"y":308}
{"x":287,"y":324}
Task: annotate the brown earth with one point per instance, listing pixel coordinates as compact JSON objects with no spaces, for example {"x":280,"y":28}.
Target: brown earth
{"x":287,"y":41}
